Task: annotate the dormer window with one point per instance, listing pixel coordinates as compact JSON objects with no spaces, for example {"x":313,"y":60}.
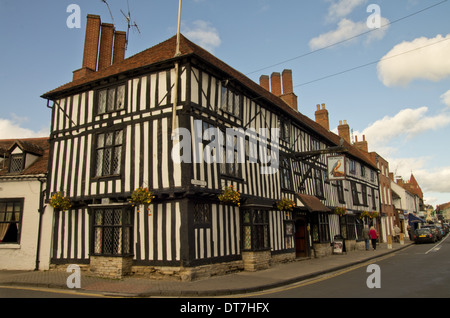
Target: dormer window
{"x":16,"y":163}
{"x":22,"y":154}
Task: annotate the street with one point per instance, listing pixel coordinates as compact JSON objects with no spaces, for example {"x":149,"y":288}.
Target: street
{"x":421,"y":271}
{"x":27,"y":292}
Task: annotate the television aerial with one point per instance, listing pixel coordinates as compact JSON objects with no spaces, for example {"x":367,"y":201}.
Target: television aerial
{"x":130,"y":25}
{"x":110,"y":13}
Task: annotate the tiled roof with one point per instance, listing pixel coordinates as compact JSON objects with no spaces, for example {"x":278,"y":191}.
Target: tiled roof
{"x":36,"y":146}
{"x":166,"y":51}
{"x":312,"y":203}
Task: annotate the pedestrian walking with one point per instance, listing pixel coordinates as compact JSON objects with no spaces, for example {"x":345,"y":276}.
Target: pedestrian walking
{"x":397,"y":232}
{"x":366,"y":237}
{"x":373,"y":236}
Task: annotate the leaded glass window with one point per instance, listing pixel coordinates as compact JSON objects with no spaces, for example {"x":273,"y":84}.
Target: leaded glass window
{"x":112,"y":231}
{"x":108,"y":154}
{"x":111,"y":99}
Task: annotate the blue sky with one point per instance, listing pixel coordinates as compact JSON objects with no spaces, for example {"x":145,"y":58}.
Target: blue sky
{"x":401,"y":105}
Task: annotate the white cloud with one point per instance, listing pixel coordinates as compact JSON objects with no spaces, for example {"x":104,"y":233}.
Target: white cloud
{"x":446,"y":98}
{"x":386,"y":134}
{"x":342,"y":8}
{"x":11,"y":129}
{"x":427,"y":59}
{"x":407,"y":123}
{"x":349,"y":30}
{"x":203,"y":34}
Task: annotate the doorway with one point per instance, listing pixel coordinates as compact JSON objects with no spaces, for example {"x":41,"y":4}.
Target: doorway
{"x":301,"y":238}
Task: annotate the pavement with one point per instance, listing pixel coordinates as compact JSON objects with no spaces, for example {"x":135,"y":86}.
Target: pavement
{"x":243,"y":282}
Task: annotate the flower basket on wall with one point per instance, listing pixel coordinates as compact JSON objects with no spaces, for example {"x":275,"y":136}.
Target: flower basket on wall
{"x":59,"y":202}
{"x":370,"y":215}
{"x":230,"y":196}
{"x":142,"y":197}
{"x":341,"y":211}
{"x":285,"y":205}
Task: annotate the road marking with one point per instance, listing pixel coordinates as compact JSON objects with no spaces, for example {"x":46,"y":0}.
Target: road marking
{"x":313,"y":280}
{"x":437,"y":247}
{"x":47,"y":290}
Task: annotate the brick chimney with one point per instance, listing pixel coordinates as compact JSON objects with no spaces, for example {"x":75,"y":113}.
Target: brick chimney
{"x":322,"y":117}
{"x":265,"y":82}
{"x":361,"y":145}
{"x":120,"y":38}
{"x":274,"y":86}
{"x":90,"y":47}
{"x":106,"y":45}
{"x":288,"y":90}
{"x":344,"y":131}
{"x":275,"y":81}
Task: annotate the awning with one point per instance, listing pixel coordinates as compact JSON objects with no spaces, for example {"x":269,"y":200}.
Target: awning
{"x":310,"y":202}
{"x":414,"y":219}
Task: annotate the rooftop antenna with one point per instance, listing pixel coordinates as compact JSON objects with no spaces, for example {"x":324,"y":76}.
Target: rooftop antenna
{"x":110,"y":13}
{"x":130,"y":25}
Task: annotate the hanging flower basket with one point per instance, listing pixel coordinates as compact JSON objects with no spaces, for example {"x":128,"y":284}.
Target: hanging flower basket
{"x":341,"y":211}
{"x":230,"y":196}
{"x":59,"y":202}
{"x":142,"y":196}
{"x":370,"y":215}
{"x":285,"y":205}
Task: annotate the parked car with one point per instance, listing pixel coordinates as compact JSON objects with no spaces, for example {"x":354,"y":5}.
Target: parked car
{"x":425,"y":235}
{"x":435,"y":230}
{"x":446,"y":228}
{"x":441,"y":229}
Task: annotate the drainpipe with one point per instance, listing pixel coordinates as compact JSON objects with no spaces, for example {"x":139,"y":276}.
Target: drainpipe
{"x":41,"y":212}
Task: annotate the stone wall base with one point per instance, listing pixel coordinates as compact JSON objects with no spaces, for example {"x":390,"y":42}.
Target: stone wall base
{"x":118,"y":267}
{"x":186,"y":274}
{"x":256,"y":260}
{"x":110,"y":267}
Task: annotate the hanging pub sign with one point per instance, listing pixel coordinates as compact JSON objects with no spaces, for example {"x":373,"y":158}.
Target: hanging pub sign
{"x":336,"y":167}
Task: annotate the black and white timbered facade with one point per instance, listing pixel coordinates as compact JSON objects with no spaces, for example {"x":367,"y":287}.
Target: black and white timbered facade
{"x":113,"y":131}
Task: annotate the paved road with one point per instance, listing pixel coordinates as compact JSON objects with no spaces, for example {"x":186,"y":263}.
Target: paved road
{"x":418,"y":271}
{"x":29,"y":292}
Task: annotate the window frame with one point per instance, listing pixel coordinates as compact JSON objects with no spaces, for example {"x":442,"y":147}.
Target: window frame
{"x":340,"y":191}
{"x":285,"y":174}
{"x":17,"y":157}
{"x":116,"y":108}
{"x":227,"y":94}
{"x":129,"y":226}
{"x":318,"y":184}
{"x":321,"y":228}
{"x":354,"y":190}
{"x":3,"y":217}
{"x":112,"y":147}
{"x":255,"y":230}
{"x":202,"y":216}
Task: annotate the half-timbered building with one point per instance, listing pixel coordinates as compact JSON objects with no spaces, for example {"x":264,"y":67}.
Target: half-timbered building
{"x":155,"y":120}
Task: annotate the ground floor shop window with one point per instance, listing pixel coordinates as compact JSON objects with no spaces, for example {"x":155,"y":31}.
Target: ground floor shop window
{"x":255,"y":227}
{"x":320,"y":228}
{"x":10,"y":220}
{"x":359,"y":228}
{"x":112,"y":231}
{"x":348,"y":227}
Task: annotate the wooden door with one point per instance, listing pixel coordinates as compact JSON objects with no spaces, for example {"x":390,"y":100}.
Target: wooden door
{"x":301,"y":238}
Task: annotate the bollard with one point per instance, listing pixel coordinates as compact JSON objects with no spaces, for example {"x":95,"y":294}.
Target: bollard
{"x":402,"y":241}
{"x":389,"y":242}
